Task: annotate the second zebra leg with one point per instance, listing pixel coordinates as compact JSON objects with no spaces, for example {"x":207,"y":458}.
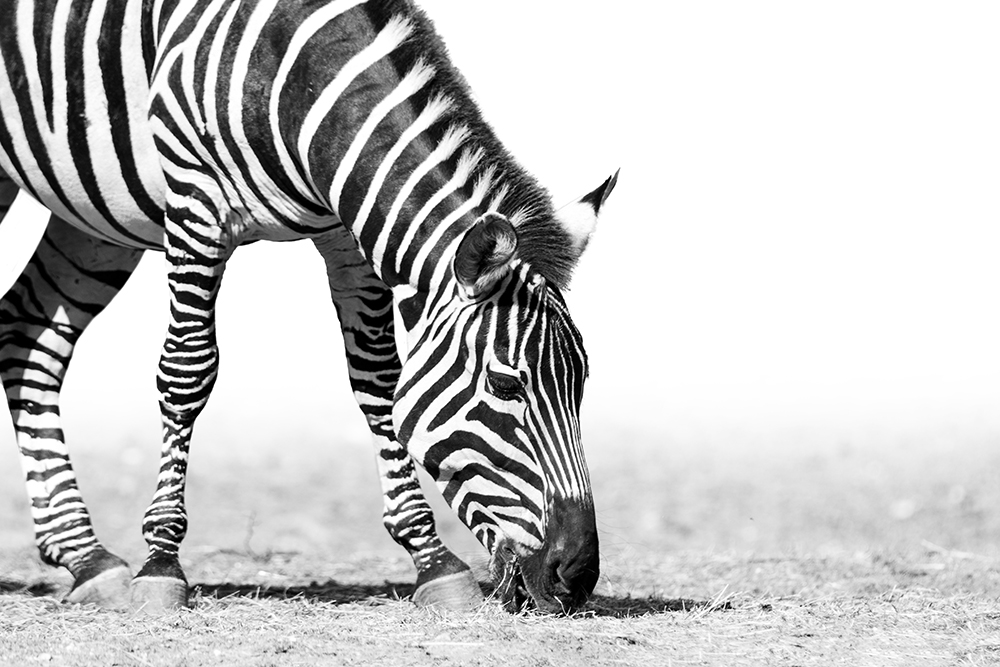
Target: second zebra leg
{"x":364,"y":306}
{"x":69,"y":280}
{"x":197,"y":250}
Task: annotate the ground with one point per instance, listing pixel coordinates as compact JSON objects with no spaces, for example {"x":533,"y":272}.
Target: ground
{"x":753,"y":550}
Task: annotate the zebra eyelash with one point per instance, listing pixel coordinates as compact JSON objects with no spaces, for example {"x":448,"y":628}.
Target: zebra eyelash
{"x":504,"y":386}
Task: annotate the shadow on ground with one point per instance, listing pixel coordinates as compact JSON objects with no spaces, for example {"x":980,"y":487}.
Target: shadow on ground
{"x":39,"y":589}
{"x":338,"y":593}
{"x":329,"y":591}
{"x":629,"y":607}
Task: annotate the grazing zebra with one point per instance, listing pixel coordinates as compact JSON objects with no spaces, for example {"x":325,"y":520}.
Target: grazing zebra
{"x":195,"y":126}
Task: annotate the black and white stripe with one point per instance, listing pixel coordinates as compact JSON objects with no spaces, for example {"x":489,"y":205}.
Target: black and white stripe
{"x":198,"y":125}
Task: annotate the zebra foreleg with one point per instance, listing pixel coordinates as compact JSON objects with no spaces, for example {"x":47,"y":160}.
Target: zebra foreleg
{"x":197,"y":249}
{"x":364,"y":306}
{"x":69,"y":280}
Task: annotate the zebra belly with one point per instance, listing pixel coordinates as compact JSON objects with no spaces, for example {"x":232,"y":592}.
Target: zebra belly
{"x":74,"y":130}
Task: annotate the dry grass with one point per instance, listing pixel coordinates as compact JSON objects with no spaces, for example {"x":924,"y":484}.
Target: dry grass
{"x":777,"y":611}
{"x":763,"y":555}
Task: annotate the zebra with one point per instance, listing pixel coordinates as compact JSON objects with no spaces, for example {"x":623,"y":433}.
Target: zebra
{"x":193,"y":127}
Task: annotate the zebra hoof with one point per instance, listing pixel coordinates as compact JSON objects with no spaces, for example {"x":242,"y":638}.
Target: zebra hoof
{"x":108,"y":589}
{"x":454,"y":592}
{"x":158,"y":595}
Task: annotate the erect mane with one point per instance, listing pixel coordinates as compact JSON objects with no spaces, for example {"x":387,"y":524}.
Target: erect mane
{"x":542,"y":241}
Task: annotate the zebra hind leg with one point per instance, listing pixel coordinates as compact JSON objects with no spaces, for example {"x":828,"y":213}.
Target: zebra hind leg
{"x":364,"y":306}
{"x":69,"y":280}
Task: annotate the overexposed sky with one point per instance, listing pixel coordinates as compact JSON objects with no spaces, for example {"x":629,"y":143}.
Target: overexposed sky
{"x":806,"y":231}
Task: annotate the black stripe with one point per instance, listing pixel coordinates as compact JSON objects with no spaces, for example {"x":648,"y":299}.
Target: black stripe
{"x":498,"y":465}
{"x":445,"y":379}
{"x":253,"y":99}
{"x":32,"y":407}
{"x":16,"y":74}
{"x":469,"y":391}
{"x":42,"y":34}
{"x":263,"y":63}
{"x":111,"y":65}
{"x":7,"y":145}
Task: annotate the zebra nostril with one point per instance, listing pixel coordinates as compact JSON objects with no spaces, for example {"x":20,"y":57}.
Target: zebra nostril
{"x":573,"y":554}
{"x":576,"y":575}
{"x":566,"y":576}
{"x":572,"y":572}
{"x":562,"y":583}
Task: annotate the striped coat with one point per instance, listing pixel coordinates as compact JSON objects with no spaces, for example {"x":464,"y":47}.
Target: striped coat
{"x":196,"y":126}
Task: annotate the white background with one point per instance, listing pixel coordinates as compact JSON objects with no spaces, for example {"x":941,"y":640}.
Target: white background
{"x":805,"y":234}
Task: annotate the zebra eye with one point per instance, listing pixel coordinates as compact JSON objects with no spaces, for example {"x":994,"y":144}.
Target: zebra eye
{"x":504,"y":386}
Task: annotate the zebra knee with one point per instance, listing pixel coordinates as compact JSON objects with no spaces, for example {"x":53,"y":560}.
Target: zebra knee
{"x":185,"y":382}
{"x":164,"y":528}
{"x":64,"y":536}
{"x":413,"y":529}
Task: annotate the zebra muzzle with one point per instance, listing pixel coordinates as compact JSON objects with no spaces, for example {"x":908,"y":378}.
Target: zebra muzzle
{"x":557,"y":578}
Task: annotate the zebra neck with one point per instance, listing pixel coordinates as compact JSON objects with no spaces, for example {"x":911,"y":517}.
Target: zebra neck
{"x":379,"y":129}
{"x":351,"y":110}
{"x":409,"y":240}
{"x":418,"y":170}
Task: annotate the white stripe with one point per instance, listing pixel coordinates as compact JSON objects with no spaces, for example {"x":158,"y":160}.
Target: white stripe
{"x":137,"y":104}
{"x":107,"y":167}
{"x":412,"y":83}
{"x":397,"y":30}
{"x":165,"y":135}
{"x":566,"y":477}
{"x":188,"y":73}
{"x":182,"y":11}
{"x":57,"y":44}
{"x":309,"y":27}
{"x":241,"y":63}
{"x":55,"y":142}
{"x":466,"y":166}
{"x":427,"y":117}
{"x":450,"y":142}
{"x":479,"y":191}
{"x":157,"y":16}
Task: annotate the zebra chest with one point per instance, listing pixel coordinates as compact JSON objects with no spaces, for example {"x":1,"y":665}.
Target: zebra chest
{"x":207,"y":151}
{"x":249,"y":206}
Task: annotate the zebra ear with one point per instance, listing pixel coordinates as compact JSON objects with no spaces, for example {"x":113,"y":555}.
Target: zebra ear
{"x":484,"y":254}
{"x":580,"y":218}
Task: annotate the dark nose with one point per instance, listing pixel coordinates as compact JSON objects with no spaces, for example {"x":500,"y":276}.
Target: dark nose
{"x":572,"y":558}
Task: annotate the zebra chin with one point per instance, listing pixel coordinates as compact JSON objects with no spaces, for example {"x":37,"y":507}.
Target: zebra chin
{"x":557,"y":578}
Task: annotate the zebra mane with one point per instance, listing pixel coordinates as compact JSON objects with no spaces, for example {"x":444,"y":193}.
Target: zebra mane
{"x":542,"y":242}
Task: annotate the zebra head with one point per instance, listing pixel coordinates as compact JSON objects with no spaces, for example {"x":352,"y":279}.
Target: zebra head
{"x":489,"y":402}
